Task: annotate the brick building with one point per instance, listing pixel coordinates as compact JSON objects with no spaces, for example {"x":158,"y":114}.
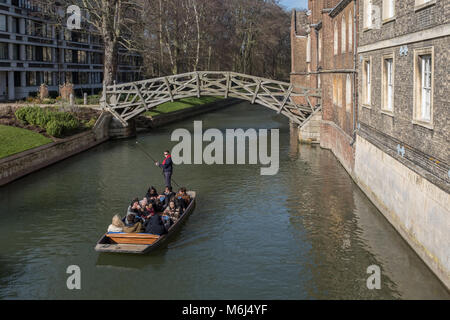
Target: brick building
{"x":324,"y":56}
{"x":392,"y":133}
{"x":402,"y":158}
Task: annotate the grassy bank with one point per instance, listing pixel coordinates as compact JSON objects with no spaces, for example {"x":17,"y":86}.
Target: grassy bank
{"x":180,"y":105}
{"x":15,"y":140}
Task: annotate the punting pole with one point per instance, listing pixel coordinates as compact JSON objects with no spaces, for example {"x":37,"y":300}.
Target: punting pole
{"x":149,"y":155}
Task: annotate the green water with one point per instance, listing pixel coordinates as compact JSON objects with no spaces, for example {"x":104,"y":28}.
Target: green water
{"x":306,"y":233}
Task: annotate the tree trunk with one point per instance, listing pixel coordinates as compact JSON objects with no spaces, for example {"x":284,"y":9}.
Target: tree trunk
{"x":110,"y":63}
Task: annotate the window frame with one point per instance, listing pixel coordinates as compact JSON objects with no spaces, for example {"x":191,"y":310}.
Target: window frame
{"x":386,"y":19}
{"x":6,"y":23}
{"x":367,"y":103}
{"x":343,"y":34}
{"x":348,"y":93}
{"x":320,"y":45}
{"x":367,"y":15}
{"x":418,"y":87}
{"x":336,"y":39}
{"x":385,"y":84}
{"x":308,"y":48}
{"x":350,"y":31}
{"x":422,"y":4}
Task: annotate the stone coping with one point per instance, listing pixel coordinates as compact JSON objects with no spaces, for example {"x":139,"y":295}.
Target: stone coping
{"x":44,"y":147}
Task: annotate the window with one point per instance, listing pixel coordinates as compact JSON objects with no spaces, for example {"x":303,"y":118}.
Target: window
{"x":423,"y":85}
{"x":3,"y":24}
{"x":4,"y":51}
{"x":367,"y":85}
{"x":367,"y":14}
{"x":388,"y":9}
{"x":16,"y":52}
{"x":335,"y":94}
{"x":337,"y":90}
{"x":48,"y":78}
{"x":320,"y":45}
{"x":348,"y":93}
{"x":69,"y":54}
{"x":308,"y":49}
{"x":388,"y":83}
{"x":336,"y":39}
{"x":343,"y":34}
{"x":31,"y":78}
{"x":350,"y":32}
{"x":420,"y":4}
{"x":47,"y":54}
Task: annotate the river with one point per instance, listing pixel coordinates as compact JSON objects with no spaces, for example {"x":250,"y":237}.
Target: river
{"x":306,"y":233}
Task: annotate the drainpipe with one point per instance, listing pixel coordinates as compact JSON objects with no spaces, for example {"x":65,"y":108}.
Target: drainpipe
{"x":355,"y":38}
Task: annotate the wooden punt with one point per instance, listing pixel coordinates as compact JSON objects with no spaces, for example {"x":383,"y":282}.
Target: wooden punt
{"x":141,"y":243}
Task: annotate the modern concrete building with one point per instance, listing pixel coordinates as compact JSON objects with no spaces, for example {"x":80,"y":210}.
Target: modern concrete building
{"x":383,"y":69}
{"x":34,"y":51}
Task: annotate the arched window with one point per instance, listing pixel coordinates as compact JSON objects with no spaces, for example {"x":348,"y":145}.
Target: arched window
{"x":348,"y":93}
{"x":320,"y":45}
{"x":343,"y":34}
{"x":308,"y":49}
{"x":350,"y":32}
{"x":336,"y":39}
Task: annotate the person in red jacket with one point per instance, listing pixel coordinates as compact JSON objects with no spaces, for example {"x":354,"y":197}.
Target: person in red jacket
{"x":167,"y":167}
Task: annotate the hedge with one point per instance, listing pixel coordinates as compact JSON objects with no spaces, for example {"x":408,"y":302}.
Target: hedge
{"x":56,"y":124}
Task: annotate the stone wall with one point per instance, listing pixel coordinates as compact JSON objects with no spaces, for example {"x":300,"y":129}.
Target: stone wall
{"x":417,"y":208}
{"x":21,"y":164}
{"x":310,"y":131}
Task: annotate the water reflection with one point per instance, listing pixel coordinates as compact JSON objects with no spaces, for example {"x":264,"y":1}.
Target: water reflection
{"x":306,"y":233}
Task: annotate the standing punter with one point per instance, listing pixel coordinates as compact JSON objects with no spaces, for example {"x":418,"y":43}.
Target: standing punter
{"x":167,"y":167}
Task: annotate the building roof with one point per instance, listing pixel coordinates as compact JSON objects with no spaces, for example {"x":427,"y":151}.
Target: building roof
{"x":300,"y":23}
{"x":339,"y":7}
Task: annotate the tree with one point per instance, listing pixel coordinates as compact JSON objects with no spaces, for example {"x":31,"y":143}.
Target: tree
{"x":111,"y":19}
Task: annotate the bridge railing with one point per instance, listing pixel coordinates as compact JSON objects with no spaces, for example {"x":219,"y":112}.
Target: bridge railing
{"x":127,"y":100}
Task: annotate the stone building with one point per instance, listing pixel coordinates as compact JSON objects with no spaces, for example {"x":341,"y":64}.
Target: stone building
{"x":324,"y":56}
{"x":392,"y":133}
{"x":402,"y":158}
{"x":32,"y":52}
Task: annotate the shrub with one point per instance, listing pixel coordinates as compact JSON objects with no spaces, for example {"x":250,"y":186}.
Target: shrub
{"x":55,"y":123}
{"x":90,"y":123}
{"x":54,"y":128}
{"x":21,"y":114}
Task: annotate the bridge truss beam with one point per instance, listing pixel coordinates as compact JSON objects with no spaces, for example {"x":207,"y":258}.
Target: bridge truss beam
{"x":127,"y":100}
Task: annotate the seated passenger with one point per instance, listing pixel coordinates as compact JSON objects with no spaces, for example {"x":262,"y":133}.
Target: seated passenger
{"x":132,"y":225}
{"x":149,"y":210}
{"x":143,"y":203}
{"x":117,"y":225}
{"x":155,"y":225}
{"x":166,"y":220}
{"x":180,"y":204}
{"x":182,"y":193}
{"x":167,"y":194}
{"x":173,"y":212}
{"x":151,"y":193}
{"x":135,"y":208}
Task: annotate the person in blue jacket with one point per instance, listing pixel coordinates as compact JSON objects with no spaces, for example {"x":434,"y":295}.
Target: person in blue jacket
{"x":167,"y":167}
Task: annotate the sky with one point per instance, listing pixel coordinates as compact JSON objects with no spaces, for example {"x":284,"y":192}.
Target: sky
{"x":291,"y":4}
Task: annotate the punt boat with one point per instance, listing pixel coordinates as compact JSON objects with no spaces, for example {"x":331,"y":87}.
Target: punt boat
{"x":142,"y":243}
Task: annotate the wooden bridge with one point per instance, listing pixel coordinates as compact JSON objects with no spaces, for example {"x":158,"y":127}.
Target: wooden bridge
{"x":128,"y":100}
